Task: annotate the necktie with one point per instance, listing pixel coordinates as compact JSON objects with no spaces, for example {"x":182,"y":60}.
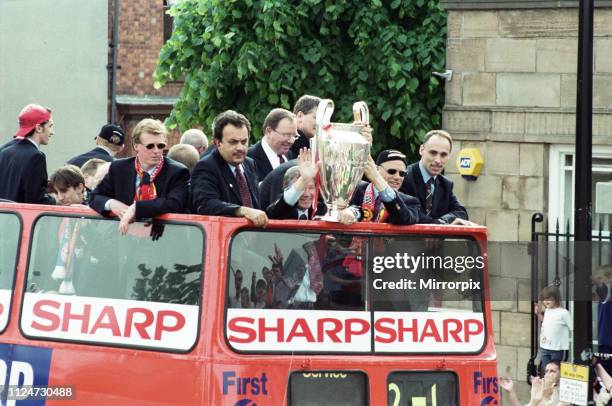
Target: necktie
{"x":303,"y":217}
{"x":245,"y":195}
{"x":281,"y":158}
{"x":429,"y":191}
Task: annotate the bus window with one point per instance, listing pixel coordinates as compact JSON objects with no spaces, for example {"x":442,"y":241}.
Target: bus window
{"x":87,"y":283}
{"x":438,"y":274}
{"x":298,"y":271}
{"x":309,"y":292}
{"x":322,"y":388}
{"x":9,"y":240}
{"x":427,"y":294}
{"x":422,"y":388}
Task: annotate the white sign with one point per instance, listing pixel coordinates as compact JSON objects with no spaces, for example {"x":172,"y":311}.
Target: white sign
{"x":420,"y":332}
{"x":352,"y":331}
{"x":110,"y":321}
{"x":574,"y":385}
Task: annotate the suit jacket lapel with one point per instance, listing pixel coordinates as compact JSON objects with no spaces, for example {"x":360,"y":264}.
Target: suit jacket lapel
{"x":131,"y":181}
{"x":227,"y":175}
{"x":252,"y":181}
{"x":419,"y":183}
{"x":262,"y":157}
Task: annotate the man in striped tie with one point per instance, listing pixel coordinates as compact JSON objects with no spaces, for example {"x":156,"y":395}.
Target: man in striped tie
{"x":425,"y":181}
{"x":224,"y":182}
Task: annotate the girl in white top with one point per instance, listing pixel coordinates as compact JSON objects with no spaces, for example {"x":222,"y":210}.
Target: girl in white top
{"x":556,"y":327}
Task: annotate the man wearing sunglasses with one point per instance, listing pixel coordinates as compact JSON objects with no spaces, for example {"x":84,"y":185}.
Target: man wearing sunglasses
{"x":380,"y":200}
{"x":146,"y":185}
{"x":280,"y":132}
{"x":425,"y":181}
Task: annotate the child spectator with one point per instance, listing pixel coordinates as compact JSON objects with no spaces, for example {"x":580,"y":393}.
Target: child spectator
{"x":556,"y":327}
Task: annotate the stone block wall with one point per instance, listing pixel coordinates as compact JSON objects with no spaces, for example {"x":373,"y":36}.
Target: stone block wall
{"x":512,"y":95}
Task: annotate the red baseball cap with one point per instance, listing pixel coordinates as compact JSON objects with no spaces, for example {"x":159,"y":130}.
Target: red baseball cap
{"x":31,"y":116}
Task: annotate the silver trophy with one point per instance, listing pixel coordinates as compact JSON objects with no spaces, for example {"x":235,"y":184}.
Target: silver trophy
{"x":342,"y":154}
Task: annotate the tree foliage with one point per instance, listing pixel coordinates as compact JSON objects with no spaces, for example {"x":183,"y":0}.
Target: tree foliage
{"x":254,"y":55}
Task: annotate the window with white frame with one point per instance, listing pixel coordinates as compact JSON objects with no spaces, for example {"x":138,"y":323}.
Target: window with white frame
{"x":562,"y":180}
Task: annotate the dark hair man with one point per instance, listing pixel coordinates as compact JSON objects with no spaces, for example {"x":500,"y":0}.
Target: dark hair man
{"x":425,"y":181}
{"x":305,"y":110}
{"x":69,"y":185}
{"x":146,"y":185}
{"x":109,"y":142}
{"x":224,"y":182}
{"x":280,"y":131}
{"x":380,"y":200}
{"x":22,"y":165}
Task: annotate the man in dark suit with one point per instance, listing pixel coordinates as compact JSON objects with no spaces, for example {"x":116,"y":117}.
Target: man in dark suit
{"x":9,"y":143}
{"x":108,"y":144}
{"x":224,"y":182}
{"x":380,"y":200}
{"x":425,"y":181}
{"x":300,"y":189}
{"x":280,"y":131}
{"x":271,"y":188}
{"x":305,"y":110}
{"x":22,"y":165}
{"x":146,"y":185}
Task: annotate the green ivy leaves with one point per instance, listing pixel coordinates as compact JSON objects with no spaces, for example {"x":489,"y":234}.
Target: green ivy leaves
{"x":255,"y":55}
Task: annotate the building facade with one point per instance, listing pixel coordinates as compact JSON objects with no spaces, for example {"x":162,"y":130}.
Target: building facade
{"x":513,"y":96}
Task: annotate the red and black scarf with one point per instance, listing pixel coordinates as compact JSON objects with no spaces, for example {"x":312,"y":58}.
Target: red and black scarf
{"x":373,"y":209}
{"x":146,"y":187}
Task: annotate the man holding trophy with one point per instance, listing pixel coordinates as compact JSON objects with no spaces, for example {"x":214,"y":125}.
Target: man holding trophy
{"x":379,"y":200}
{"x":343,"y":156}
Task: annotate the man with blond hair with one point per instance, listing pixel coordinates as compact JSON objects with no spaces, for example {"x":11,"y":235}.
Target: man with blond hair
{"x":146,"y":185}
{"x":425,"y":181}
{"x":186,"y":154}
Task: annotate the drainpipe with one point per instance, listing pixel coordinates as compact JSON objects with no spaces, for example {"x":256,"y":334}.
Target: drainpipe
{"x":114,"y":44}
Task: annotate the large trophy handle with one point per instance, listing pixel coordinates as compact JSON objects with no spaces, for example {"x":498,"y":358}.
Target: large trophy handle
{"x":361,"y":113}
{"x":325,"y":109}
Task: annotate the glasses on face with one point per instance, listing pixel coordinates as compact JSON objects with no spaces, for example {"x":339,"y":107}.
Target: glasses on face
{"x":161,"y":146}
{"x":392,"y":171}
{"x":288,"y":136}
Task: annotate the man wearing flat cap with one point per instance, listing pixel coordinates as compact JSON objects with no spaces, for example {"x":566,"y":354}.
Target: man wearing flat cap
{"x":22,"y":165}
{"x":380,"y":201}
{"x":108,"y":144}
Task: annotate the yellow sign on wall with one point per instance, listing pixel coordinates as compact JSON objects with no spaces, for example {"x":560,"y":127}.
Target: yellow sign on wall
{"x":469,"y":162}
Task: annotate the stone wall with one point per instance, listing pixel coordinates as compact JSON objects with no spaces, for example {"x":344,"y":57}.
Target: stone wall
{"x":513,"y":94}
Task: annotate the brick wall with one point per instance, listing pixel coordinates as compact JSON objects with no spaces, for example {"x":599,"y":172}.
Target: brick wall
{"x":141,"y":31}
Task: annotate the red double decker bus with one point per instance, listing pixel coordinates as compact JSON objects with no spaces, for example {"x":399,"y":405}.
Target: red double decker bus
{"x":197,"y":310}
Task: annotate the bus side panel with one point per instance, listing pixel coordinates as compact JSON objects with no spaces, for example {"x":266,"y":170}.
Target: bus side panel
{"x":103,"y":376}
